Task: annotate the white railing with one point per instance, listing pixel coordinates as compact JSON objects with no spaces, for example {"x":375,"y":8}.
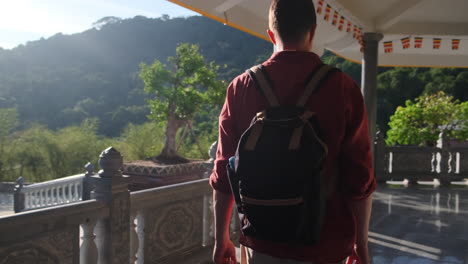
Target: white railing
{"x":52,"y":193}
{"x":65,"y":190}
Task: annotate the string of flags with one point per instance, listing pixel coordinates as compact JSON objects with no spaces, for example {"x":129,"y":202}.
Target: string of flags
{"x":325,"y":10}
{"x":418,"y":43}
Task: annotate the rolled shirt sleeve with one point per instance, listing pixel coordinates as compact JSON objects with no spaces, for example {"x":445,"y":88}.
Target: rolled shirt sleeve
{"x":227,"y":143}
{"x":355,"y":161}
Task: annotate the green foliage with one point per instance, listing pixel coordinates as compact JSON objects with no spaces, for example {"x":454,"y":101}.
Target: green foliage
{"x":185,"y":87}
{"x":141,"y":141}
{"x":420,"y":122}
{"x":181,"y":90}
{"x":394,"y":88}
{"x":8,"y":122}
{"x":39,"y":154}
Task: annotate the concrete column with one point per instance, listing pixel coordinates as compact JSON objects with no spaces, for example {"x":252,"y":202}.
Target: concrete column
{"x":369,"y":78}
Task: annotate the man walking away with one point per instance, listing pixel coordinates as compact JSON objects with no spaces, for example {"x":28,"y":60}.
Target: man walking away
{"x":337,"y":105}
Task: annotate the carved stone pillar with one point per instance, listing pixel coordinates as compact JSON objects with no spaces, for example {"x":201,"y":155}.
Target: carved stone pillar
{"x":112,"y":188}
{"x":87,"y":186}
{"x":18,"y":196}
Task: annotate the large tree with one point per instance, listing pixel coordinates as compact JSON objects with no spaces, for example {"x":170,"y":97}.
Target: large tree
{"x":180,"y":90}
{"x":420,"y":122}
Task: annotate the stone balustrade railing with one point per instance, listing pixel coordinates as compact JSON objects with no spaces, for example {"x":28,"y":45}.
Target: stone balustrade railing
{"x":170,"y":223}
{"x":444,"y":163}
{"x":52,"y":193}
{"x":52,"y":235}
{"x":161,"y":225}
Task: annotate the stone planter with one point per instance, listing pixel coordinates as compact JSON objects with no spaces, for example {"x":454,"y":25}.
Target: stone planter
{"x":148,"y":174}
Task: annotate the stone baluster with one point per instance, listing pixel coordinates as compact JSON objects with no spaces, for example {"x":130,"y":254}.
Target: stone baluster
{"x":75,"y":196}
{"x":46,"y":197}
{"x":40,"y":197}
{"x":53,"y":195}
{"x":34,"y":198}
{"x":141,"y":231}
{"x":70,"y":192}
{"x":134,"y":243}
{"x":102,"y":241}
{"x":19,"y":196}
{"x":88,"y":249}
{"x":141,"y":216}
{"x":208,"y":221}
{"x":112,"y":188}
{"x":65,"y":192}
{"x":208,"y":234}
{"x":58,"y":192}
{"x":37,"y":193}
{"x":43,"y":198}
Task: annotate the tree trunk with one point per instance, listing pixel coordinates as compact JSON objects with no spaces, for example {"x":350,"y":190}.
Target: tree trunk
{"x":169,"y":149}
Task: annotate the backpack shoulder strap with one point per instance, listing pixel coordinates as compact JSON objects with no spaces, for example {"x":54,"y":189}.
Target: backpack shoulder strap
{"x":260,"y":77}
{"x":314,"y":83}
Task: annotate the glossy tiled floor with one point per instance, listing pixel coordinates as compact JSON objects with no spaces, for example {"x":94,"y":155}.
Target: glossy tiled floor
{"x":415,"y":225}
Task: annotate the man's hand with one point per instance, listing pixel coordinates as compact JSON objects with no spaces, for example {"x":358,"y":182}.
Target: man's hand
{"x":362,"y":212}
{"x":224,"y":252}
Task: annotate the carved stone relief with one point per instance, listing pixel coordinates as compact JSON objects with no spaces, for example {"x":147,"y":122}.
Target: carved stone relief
{"x":174,"y":228}
{"x":55,"y":248}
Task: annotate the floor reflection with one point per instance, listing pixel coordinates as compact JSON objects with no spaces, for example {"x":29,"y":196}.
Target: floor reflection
{"x":419,"y":225}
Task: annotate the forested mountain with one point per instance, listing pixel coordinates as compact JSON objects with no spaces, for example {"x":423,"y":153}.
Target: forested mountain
{"x":62,"y":80}
{"x":65,"y":79}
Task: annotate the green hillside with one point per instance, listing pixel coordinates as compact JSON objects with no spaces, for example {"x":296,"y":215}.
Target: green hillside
{"x":62,"y":80}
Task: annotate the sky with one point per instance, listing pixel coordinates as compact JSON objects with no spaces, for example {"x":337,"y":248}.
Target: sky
{"x":26,"y":20}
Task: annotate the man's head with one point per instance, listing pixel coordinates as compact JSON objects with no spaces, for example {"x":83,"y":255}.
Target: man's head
{"x":292,"y":22}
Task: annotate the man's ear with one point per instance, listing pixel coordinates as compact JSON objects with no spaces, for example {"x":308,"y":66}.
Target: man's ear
{"x":272,"y":36}
{"x":312,"y":33}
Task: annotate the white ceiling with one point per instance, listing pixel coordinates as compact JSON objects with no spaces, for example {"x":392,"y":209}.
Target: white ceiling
{"x":395,"y":19}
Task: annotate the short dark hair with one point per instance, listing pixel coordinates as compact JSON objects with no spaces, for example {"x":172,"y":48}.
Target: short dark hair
{"x":292,"y":19}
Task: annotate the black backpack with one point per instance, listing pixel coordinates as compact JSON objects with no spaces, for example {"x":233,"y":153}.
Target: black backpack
{"x":276,"y":176}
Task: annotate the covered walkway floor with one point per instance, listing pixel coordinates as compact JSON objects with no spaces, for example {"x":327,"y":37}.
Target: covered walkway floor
{"x":419,"y":226}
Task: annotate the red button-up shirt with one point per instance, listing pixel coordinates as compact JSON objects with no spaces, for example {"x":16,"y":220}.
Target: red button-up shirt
{"x":339,"y":107}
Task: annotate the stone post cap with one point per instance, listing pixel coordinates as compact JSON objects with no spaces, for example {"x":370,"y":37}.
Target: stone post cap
{"x":110,"y":161}
{"x":20,"y":183}
{"x":212,"y":151}
{"x":89,"y":167}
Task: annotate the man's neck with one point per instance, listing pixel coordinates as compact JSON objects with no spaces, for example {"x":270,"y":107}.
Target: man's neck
{"x":288,"y":47}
